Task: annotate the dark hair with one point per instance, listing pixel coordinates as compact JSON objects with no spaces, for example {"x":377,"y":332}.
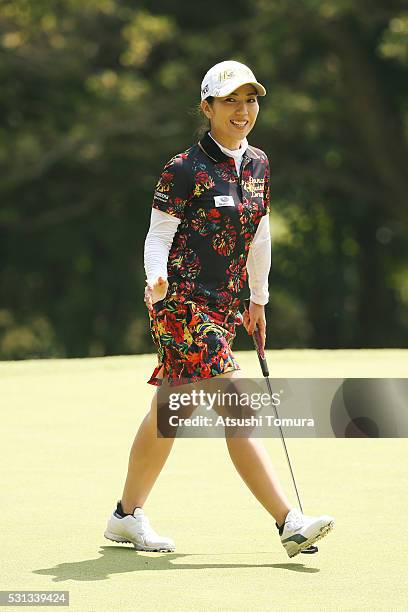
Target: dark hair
{"x":205,"y":122}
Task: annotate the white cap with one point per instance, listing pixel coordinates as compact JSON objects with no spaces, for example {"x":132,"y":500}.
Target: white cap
{"x":224,"y":77}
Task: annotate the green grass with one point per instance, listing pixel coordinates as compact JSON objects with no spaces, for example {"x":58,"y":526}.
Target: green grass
{"x":67,"y":429}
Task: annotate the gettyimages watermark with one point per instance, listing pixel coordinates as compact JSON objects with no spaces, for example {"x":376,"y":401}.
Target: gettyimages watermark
{"x":302,"y":408}
{"x":220,"y":400}
{"x":221,"y":397}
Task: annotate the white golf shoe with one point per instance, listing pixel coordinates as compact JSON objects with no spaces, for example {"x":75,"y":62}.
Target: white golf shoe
{"x":135,"y":529}
{"x":301,"y":531}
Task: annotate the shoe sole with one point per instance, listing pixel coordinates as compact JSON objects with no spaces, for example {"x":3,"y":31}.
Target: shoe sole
{"x":323,"y":532}
{"x":115,"y":538}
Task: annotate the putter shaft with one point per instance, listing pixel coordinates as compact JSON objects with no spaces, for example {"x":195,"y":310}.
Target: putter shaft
{"x":256,"y":337}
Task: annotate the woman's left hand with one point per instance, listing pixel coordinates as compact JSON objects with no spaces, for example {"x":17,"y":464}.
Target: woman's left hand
{"x":255,"y":318}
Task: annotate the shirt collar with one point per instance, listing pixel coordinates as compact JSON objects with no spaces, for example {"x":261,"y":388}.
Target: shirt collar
{"x":237,"y":153}
{"x":210,"y":148}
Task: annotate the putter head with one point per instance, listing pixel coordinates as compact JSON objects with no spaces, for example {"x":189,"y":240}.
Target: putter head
{"x":310,"y":550}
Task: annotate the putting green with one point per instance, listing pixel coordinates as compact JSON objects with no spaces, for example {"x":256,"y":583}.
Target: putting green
{"x":67,"y":429}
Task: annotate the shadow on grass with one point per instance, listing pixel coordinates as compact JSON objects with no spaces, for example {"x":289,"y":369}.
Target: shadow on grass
{"x":120,"y":560}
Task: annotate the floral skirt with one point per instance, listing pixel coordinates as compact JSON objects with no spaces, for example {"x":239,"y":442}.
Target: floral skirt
{"x":193,"y":343}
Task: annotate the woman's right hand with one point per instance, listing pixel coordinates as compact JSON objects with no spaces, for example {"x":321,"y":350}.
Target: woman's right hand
{"x":155,"y":291}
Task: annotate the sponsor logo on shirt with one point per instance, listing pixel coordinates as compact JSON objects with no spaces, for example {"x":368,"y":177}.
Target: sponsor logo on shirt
{"x":255,"y":186}
{"x":223,"y":201}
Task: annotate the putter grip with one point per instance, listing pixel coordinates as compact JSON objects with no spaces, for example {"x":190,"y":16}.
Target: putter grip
{"x":256,"y":337}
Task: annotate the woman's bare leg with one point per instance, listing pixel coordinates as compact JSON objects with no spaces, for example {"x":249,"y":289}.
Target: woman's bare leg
{"x":255,"y":468}
{"x":147,"y":458}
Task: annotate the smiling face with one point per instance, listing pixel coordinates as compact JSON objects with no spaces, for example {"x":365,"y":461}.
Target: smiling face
{"x":232,"y":117}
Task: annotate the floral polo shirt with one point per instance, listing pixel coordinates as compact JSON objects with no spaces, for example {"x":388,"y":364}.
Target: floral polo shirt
{"x":219,"y":212}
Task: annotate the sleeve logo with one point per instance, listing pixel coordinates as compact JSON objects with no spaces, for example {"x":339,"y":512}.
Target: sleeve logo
{"x":161,"y":196}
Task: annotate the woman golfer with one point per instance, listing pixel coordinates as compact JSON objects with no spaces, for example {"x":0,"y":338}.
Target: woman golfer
{"x":209,"y":229}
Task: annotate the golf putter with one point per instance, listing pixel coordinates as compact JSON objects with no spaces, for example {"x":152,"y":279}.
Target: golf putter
{"x":256,"y":337}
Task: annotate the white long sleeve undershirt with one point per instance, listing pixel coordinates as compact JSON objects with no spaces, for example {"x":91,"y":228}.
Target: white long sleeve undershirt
{"x":259,"y":262}
{"x":163,"y":228}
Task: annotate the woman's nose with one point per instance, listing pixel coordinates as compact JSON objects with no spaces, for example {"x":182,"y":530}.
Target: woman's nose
{"x":242,"y":108}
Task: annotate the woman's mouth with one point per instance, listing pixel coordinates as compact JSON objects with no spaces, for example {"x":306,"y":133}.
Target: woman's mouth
{"x":239,"y":124}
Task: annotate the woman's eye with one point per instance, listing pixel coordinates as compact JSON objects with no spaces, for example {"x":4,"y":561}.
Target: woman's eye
{"x":234,"y":100}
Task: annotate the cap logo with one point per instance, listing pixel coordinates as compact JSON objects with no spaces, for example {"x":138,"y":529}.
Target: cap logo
{"x":225,"y":75}
{"x":205,"y":89}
